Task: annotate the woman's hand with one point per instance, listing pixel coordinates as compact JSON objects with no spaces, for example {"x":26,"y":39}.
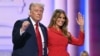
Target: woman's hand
{"x":80,"y":21}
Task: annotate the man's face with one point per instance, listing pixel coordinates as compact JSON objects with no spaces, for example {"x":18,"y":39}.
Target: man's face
{"x":36,"y":12}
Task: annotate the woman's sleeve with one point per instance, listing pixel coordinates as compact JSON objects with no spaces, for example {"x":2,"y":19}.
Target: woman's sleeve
{"x":79,"y":40}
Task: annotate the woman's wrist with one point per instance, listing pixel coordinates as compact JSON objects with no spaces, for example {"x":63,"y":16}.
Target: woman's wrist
{"x":81,"y":28}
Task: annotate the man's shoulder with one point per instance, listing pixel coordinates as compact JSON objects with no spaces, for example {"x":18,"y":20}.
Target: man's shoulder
{"x":42,"y":25}
{"x":20,"y":21}
{"x":24,"y":19}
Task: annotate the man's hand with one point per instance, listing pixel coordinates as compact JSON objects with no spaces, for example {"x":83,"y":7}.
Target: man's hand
{"x":25,"y":25}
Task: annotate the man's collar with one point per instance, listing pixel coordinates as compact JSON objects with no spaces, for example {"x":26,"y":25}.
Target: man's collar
{"x":33,"y":22}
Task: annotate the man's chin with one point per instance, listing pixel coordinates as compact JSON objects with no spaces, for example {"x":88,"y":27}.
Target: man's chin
{"x":39,"y":20}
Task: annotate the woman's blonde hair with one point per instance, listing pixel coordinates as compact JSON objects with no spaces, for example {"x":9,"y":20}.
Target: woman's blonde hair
{"x":84,"y":52}
{"x":55,"y":16}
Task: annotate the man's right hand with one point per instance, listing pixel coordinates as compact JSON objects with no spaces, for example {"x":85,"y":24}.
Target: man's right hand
{"x":25,"y":25}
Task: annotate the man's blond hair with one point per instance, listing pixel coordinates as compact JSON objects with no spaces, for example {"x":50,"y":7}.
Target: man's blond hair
{"x":36,"y":3}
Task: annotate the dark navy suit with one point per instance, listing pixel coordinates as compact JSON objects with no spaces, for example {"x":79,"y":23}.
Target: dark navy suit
{"x":26,"y":44}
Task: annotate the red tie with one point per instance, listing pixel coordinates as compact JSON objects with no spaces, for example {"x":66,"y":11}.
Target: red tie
{"x":39,"y":41}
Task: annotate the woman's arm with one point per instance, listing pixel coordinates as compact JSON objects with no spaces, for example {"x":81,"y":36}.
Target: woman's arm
{"x":80,"y":39}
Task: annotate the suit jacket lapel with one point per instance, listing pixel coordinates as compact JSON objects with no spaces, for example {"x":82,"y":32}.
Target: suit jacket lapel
{"x":31,"y":29}
{"x":43,"y":31}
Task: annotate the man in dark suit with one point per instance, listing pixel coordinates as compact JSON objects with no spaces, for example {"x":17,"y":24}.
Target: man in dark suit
{"x":29,"y":36}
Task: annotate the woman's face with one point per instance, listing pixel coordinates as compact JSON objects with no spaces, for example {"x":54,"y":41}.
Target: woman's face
{"x":60,"y":20}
